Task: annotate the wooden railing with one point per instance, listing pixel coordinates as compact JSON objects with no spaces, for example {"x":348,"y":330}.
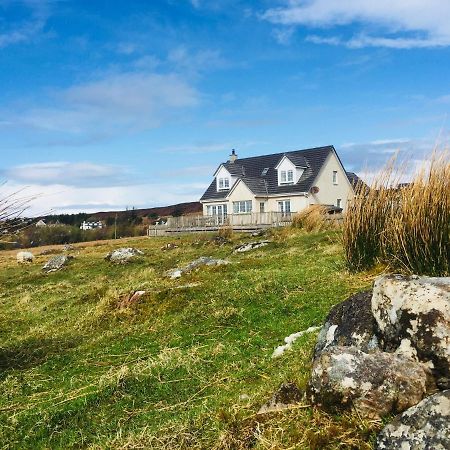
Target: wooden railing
{"x":268,"y":219}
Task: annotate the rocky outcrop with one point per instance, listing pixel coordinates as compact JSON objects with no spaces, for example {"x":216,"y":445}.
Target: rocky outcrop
{"x":287,"y":395}
{"x":56,"y":263}
{"x":376,"y":384}
{"x":349,"y":323}
{"x":416,"y":310}
{"x":123,"y":255}
{"x":250,"y":246}
{"x":425,"y":426}
{"x":25,"y":257}
{"x":196,"y":264}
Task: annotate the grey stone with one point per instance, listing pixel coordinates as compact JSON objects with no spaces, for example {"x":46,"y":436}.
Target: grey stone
{"x":123,"y":255}
{"x":250,"y":246}
{"x":25,"y":257}
{"x":287,"y":395}
{"x":349,"y":323}
{"x":376,"y":384}
{"x":416,"y":309}
{"x":202,"y":261}
{"x":56,"y":263}
{"x":425,"y":426}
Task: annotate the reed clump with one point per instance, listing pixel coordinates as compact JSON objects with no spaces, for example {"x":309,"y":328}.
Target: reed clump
{"x":403,"y":226}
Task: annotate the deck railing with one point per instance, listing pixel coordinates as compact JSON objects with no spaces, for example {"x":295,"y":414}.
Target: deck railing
{"x":267,"y":219}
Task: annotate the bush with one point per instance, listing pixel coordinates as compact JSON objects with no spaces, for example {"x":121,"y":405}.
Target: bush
{"x":405,"y":227}
{"x":313,"y":218}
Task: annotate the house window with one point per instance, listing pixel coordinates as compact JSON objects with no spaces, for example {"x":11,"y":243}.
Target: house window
{"x":242,"y":207}
{"x":224,"y":183}
{"x":335,"y":178}
{"x":286,"y":177}
{"x":262,"y":207}
{"x":284,"y":206}
{"x":216,"y":210}
{"x":339,"y":203}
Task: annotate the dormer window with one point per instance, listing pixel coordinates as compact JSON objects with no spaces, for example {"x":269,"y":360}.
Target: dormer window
{"x":223,"y":184}
{"x":287,"y":177}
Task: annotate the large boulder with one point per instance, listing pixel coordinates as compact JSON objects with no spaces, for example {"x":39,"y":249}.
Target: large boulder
{"x":25,"y":257}
{"x":193,"y":265}
{"x":56,"y":263}
{"x":123,"y":255}
{"x":350,"y":323}
{"x":416,"y":309}
{"x":425,"y":426}
{"x":376,"y":384}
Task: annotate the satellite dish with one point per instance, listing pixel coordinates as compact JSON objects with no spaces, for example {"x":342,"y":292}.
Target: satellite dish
{"x":314,"y":189}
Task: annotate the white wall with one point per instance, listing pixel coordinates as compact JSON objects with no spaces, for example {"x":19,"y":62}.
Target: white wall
{"x":298,"y":202}
{"x":329,"y":192}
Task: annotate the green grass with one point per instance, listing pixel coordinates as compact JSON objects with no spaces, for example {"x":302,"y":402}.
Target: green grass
{"x":78,"y":372}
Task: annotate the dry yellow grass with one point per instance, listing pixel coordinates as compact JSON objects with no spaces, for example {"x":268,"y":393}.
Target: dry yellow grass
{"x":406,"y":228}
{"x":314,"y":218}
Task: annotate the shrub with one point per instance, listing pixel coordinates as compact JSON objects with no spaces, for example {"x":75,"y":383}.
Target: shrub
{"x":313,"y":218}
{"x":406,"y":228}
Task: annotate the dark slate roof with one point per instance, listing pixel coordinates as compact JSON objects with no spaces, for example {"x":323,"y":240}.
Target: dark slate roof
{"x":250,"y":171}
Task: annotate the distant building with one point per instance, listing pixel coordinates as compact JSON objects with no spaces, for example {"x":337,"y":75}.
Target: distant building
{"x":91,"y":225}
{"x":41,"y":224}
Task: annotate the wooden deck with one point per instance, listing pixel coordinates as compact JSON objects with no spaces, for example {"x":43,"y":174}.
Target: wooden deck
{"x":238,"y":222}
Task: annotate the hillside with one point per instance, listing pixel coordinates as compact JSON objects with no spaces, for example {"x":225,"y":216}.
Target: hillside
{"x":188,"y":366}
{"x":161,"y":211}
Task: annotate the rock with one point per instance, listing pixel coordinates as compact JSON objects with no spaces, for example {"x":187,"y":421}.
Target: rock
{"x":258,"y":233}
{"x":25,"y":257}
{"x":68,"y":247}
{"x":56,"y":263}
{"x":48,"y":251}
{"x":349,"y":323}
{"x":287,"y":395}
{"x":169,"y":246}
{"x":376,"y":384}
{"x":416,"y":309}
{"x":123,"y":255}
{"x":425,"y":426}
{"x":130,"y":299}
{"x":289,"y":340}
{"x":220,"y":240}
{"x":202,"y":261}
{"x":250,"y":246}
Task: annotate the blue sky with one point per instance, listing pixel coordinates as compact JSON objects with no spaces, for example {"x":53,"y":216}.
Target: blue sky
{"x":106,"y":104}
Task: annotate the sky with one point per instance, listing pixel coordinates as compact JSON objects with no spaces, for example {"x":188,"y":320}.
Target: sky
{"x":110,"y":104}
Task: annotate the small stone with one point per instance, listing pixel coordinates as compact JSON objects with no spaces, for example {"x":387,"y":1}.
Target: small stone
{"x":25,"y":257}
{"x":250,"y":246}
{"x":169,"y":246}
{"x":123,"y":255}
{"x":287,"y":395}
{"x":56,"y":263}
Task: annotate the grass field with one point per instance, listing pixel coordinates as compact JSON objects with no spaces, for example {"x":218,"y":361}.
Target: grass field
{"x":186,"y":367}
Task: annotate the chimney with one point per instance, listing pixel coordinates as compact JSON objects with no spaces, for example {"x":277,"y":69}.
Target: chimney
{"x":233,"y":156}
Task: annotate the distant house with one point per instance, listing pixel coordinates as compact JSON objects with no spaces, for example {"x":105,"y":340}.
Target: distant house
{"x":40,"y":224}
{"x":91,"y":225}
{"x":282,"y":182}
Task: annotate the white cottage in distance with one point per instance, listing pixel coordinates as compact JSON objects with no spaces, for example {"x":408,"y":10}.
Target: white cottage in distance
{"x":282,"y":182}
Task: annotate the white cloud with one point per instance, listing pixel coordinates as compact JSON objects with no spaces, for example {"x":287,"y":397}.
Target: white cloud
{"x":396,"y":24}
{"x":117,"y":103}
{"x":81,"y":174}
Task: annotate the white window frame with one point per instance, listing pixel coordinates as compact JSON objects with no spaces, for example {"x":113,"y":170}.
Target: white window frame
{"x":223,"y":184}
{"x":339,"y":202}
{"x":262,"y":207}
{"x":284,"y":206}
{"x":242,"y":207}
{"x":287,"y":176}
{"x":335,"y":177}
{"x":213,"y":210}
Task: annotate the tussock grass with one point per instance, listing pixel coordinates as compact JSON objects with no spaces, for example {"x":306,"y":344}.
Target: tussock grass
{"x":405,"y":227}
{"x":314,"y":218}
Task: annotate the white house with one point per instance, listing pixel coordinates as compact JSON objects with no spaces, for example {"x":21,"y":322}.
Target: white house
{"x":282,"y":182}
{"x":91,"y":225}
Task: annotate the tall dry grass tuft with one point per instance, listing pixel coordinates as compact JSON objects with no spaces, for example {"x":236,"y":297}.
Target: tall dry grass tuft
{"x":405,"y":227}
{"x":313,"y":218}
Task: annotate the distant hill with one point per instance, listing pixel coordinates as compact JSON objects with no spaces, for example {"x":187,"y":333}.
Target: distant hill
{"x":161,"y":211}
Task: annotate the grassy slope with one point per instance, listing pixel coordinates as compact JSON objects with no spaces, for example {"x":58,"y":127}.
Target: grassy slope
{"x":76,"y":371}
